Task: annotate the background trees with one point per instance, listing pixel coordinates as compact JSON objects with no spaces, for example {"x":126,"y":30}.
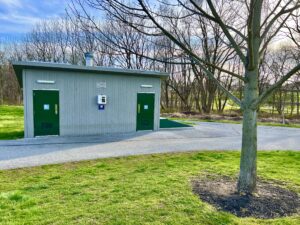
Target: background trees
{"x":188,"y":89}
{"x":9,"y":88}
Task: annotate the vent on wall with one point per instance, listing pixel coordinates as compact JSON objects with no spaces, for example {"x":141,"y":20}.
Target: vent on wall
{"x":146,"y":86}
{"x":45,"y":81}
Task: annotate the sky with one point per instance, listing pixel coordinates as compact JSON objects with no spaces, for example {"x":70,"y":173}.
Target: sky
{"x":18,"y":16}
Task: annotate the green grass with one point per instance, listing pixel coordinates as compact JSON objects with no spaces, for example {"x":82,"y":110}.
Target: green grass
{"x":11,"y":122}
{"x":149,"y":189}
{"x":278,"y":124}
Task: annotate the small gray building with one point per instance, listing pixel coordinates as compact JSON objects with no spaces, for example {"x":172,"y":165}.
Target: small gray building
{"x":69,"y":100}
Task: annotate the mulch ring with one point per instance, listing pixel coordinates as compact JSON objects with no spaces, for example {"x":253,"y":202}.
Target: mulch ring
{"x":269,"y":201}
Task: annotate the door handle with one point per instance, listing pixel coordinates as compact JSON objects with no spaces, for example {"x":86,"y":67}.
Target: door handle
{"x":139,"y":108}
{"x":56,"y":109}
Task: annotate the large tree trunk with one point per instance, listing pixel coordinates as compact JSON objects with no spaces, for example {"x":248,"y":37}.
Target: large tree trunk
{"x":247,"y":177}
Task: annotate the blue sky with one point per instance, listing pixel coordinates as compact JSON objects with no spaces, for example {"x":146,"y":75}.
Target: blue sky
{"x":18,"y":16}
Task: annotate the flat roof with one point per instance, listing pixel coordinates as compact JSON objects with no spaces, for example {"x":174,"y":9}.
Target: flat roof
{"x":19,"y":66}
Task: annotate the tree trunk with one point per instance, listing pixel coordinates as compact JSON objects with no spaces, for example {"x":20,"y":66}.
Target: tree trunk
{"x":166,"y":95}
{"x":247,"y":177}
{"x":292,"y":102}
{"x":297,"y":102}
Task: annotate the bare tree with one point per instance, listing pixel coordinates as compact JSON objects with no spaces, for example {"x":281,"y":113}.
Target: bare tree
{"x":249,"y":36}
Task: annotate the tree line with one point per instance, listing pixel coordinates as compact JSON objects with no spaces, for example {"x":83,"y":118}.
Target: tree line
{"x":115,"y":43}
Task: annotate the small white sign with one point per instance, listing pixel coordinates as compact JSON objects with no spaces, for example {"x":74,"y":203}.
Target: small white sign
{"x":146,"y":107}
{"x":46,"y":107}
{"x":101,"y":84}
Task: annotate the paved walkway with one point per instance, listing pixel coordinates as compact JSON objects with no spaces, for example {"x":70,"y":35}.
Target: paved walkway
{"x":204,"y":136}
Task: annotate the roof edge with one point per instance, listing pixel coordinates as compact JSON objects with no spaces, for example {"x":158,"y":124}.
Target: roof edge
{"x":20,"y":65}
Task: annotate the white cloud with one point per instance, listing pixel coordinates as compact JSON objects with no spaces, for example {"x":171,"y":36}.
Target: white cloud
{"x":20,"y":15}
{"x":19,"y":18}
{"x":11,"y":3}
{"x":17,"y":23}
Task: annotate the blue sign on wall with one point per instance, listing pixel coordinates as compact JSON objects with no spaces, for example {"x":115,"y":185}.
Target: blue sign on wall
{"x":101,"y":107}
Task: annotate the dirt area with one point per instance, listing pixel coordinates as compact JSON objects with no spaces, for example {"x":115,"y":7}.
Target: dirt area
{"x":234,"y":116}
{"x":270,"y":200}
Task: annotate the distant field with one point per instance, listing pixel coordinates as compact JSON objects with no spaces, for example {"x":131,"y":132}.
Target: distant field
{"x":11,"y":122}
{"x":148,"y":189}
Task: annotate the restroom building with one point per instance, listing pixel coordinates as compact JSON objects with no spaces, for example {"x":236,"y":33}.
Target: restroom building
{"x":71,"y":100}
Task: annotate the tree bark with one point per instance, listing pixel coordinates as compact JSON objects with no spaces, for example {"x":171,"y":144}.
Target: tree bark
{"x":247,"y":177}
{"x":167,"y":94}
{"x":297,"y":101}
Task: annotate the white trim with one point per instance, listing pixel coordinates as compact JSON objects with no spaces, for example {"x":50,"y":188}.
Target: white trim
{"x":45,"y":136}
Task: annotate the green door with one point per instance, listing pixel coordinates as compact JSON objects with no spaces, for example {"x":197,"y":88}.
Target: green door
{"x":145,"y":111}
{"x":46,"y":112}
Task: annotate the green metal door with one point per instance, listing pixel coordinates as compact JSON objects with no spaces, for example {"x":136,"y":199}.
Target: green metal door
{"x":145,"y":111}
{"x":46,"y":112}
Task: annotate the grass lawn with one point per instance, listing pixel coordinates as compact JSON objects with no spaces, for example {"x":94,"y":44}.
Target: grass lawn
{"x":11,"y":122}
{"x":149,"y":189}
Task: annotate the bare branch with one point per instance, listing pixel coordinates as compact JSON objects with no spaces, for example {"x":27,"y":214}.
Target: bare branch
{"x":283,"y":11}
{"x":275,"y":86}
{"x":226,"y":32}
{"x":189,"y":52}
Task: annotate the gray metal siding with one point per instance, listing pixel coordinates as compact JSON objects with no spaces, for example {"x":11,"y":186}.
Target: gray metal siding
{"x":79,"y":114}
